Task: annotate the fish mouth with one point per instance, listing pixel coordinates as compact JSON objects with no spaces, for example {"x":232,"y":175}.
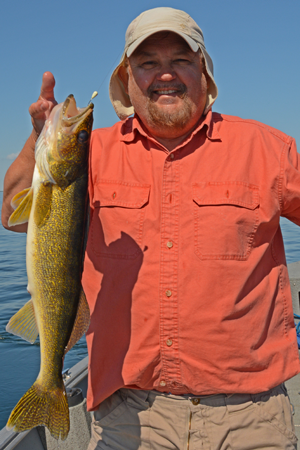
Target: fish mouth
{"x":72,"y":115}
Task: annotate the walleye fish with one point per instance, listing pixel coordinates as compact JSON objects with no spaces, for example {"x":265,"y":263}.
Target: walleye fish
{"x":55,"y":207}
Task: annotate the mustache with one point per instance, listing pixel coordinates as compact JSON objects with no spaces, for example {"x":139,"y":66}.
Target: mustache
{"x":179,"y":87}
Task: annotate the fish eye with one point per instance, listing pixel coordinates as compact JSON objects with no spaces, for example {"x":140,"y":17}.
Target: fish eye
{"x":83,"y":136}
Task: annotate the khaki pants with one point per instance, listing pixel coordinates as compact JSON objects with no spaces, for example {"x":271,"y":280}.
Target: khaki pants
{"x":132,"y":420}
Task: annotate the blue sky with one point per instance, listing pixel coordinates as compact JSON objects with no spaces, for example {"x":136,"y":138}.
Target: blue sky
{"x":255,"y":46}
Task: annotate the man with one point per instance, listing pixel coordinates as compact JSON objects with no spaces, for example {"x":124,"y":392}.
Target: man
{"x":192,"y":332}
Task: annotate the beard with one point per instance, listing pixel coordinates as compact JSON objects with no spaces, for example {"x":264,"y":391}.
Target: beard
{"x":163,"y":119}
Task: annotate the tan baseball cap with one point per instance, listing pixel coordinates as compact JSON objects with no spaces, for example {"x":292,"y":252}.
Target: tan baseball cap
{"x":146,"y":24}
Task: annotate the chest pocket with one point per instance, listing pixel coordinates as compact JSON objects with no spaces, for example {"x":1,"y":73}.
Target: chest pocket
{"x":116,"y":229}
{"x":225,"y":218}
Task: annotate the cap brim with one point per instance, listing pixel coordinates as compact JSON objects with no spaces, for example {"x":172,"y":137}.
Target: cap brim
{"x":192,"y":44}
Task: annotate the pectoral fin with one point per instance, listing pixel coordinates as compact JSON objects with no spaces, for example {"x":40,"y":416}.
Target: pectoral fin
{"x":23,"y":323}
{"x":81,"y":323}
{"x":18,"y":198}
{"x":22,"y":202}
{"x":43,"y":204}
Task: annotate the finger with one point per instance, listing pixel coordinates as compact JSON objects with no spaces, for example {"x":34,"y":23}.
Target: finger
{"x":47,"y":89}
{"x":37,"y":109}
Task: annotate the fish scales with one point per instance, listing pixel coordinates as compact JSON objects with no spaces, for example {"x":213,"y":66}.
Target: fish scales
{"x":56,"y":210}
{"x":54,"y":261}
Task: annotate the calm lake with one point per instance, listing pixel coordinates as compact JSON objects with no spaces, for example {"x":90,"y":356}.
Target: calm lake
{"x":19,"y":360}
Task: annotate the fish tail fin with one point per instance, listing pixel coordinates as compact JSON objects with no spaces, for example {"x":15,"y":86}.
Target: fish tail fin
{"x":41,"y":406}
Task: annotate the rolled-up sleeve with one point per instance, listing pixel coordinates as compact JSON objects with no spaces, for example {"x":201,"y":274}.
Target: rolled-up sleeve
{"x":289,"y":188}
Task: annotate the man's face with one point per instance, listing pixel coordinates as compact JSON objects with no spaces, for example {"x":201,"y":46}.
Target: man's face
{"x":166,"y":85}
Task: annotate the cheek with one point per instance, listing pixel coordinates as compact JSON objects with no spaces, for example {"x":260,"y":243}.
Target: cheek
{"x":198,"y":87}
{"x":137,"y":95}
{"x":140,"y":86}
{"x":139,"y":82}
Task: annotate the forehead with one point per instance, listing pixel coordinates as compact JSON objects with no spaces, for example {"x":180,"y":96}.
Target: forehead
{"x":163,"y":40}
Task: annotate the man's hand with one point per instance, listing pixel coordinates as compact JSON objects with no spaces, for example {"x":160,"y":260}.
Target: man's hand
{"x":19,"y":175}
{"x":40,"y":110}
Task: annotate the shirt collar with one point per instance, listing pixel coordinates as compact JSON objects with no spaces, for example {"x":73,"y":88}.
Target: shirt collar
{"x":132,"y":125}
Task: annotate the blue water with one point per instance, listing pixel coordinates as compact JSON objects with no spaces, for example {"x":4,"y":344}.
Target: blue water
{"x":19,"y":360}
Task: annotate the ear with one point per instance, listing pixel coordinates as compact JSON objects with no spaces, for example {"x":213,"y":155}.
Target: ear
{"x":207,"y":80}
{"x":203,"y":68}
{"x":123,"y":76}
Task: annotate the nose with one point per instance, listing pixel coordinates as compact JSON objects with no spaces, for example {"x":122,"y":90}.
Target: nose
{"x":166,"y":77}
{"x":166,"y":74}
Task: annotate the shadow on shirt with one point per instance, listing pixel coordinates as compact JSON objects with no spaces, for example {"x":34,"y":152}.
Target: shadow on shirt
{"x":110,"y":299}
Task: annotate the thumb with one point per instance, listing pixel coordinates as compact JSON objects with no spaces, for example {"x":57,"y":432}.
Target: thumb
{"x":47,"y":89}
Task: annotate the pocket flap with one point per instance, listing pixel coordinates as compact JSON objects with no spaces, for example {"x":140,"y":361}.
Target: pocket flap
{"x":117,"y":193}
{"x":226,"y":193}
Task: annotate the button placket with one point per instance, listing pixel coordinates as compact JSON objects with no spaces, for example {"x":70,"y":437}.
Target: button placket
{"x":169,"y":272}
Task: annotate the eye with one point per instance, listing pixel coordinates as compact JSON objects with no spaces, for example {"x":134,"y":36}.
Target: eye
{"x":148,"y":64}
{"x":83,"y":136}
{"x":182,"y":61}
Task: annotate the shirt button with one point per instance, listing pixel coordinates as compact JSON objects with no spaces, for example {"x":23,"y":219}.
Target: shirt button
{"x":172,"y":156}
{"x":169,"y":244}
{"x":162,"y":383}
{"x":168,"y":293}
{"x":196,"y":401}
{"x":169,"y":342}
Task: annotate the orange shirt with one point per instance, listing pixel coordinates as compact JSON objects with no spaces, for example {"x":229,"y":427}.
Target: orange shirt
{"x":185,"y":272}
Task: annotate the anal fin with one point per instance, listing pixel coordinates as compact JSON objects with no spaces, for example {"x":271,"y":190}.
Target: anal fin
{"x":81,"y":323}
{"x":23,"y":323}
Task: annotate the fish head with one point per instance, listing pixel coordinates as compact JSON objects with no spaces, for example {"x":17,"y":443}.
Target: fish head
{"x":62,"y":148}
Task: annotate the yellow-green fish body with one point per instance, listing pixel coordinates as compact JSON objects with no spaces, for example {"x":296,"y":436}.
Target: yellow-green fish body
{"x":56,"y":209}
